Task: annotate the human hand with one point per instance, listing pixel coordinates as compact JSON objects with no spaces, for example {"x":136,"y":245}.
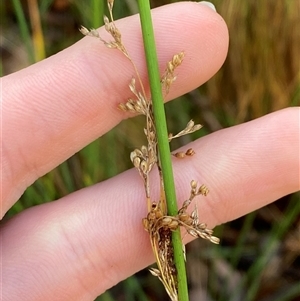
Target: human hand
{"x":81,"y":245}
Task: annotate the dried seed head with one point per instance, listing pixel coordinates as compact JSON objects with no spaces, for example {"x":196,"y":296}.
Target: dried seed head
{"x":158,"y":214}
{"x":168,"y":78}
{"x":144,"y":151}
{"x":89,"y":32}
{"x":129,"y":106}
{"x":144,"y":167}
{"x":157,"y":223}
{"x":134,"y":154}
{"x":170,"y":67}
{"x":155,"y":272}
{"x":194,"y":214}
{"x":152,"y":136}
{"x":203,"y":190}
{"x":177,"y":59}
{"x":132,"y":86}
{"x":209,"y":231}
{"x":184,"y":217}
{"x":190,"y":128}
{"x":215,"y":240}
{"x":166,"y":221}
{"x":202,"y":226}
{"x":84,"y":30}
{"x":136,"y":162}
{"x":203,"y":235}
{"x":193,"y":232}
{"x":190,"y":152}
{"x":106,"y":23}
{"x":173,"y":225}
{"x":179,"y":155}
{"x":186,"y":203}
{"x":193,"y":184}
{"x":190,"y":125}
{"x":122,"y":107}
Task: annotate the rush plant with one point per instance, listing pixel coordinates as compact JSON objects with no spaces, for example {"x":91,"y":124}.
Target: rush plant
{"x":164,"y":219}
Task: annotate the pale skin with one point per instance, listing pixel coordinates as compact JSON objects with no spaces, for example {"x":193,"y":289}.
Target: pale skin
{"x":79,"y":246}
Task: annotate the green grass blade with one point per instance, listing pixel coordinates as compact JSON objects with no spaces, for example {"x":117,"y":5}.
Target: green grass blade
{"x":25,"y":32}
{"x":278,"y":230}
{"x":240,"y":245}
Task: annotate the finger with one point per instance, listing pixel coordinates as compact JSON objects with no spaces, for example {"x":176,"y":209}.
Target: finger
{"x":76,"y":248}
{"x":54,"y":108}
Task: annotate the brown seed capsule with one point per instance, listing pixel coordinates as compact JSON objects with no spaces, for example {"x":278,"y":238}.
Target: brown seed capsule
{"x":173,"y":225}
{"x":136,"y":162}
{"x":202,"y":226}
{"x":166,"y":221}
{"x":184,"y":217}
{"x":144,"y":167}
{"x":190,"y":152}
{"x":203,"y":190}
{"x":179,"y":155}
{"x":193,"y":184}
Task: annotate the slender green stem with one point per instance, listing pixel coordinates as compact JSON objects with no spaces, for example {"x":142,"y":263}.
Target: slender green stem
{"x":162,"y":138}
{"x":97,"y":13}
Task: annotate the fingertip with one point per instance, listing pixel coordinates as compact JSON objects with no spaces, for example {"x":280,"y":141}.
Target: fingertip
{"x":203,"y":36}
{"x":208,"y":4}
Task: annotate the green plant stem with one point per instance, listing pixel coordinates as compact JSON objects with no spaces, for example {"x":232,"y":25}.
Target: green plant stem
{"x":162,"y":138}
{"x":97,"y":13}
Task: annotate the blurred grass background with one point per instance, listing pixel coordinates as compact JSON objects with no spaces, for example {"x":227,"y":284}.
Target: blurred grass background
{"x":259,"y":257}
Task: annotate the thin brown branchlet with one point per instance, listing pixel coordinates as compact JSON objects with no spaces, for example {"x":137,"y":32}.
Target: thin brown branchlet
{"x":158,"y":223}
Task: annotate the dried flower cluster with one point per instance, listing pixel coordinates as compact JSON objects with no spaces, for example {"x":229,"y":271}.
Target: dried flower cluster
{"x":158,"y":223}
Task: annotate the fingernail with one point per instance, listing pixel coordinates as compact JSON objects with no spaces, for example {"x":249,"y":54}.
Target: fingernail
{"x":209,"y":4}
